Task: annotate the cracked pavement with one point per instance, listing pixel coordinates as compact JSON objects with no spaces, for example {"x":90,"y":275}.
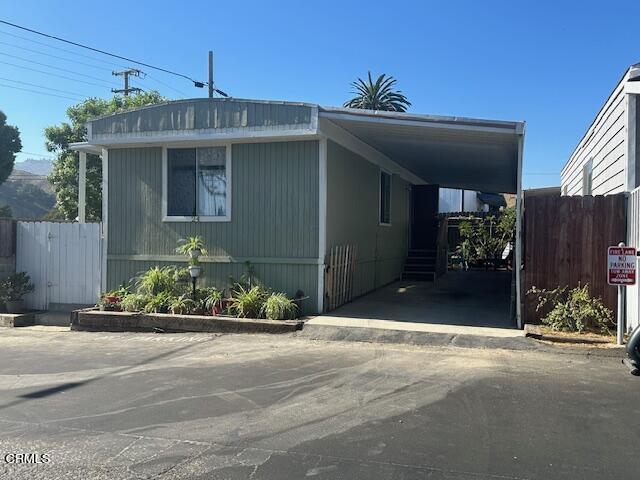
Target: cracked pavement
{"x":202,"y":406}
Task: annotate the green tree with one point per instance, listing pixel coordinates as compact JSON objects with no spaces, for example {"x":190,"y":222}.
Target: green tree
{"x":5,"y":211}
{"x":485,"y":238}
{"x":378,"y":95}
{"x":64,"y":175}
{"x":9,"y":145}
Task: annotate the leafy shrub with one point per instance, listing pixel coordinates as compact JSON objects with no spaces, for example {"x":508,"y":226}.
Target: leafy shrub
{"x":189,"y":244}
{"x":573,"y":309}
{"x":159,"y":303}
{"x":182,"y":305}
{"x":213,"y":301}
{"x":134,"y":302}
{"x":279,"y":307}
{"x":247,"y":303}
{"x":156,"y":280}
{"x":181,"y":275}
{"x":15,"y":286}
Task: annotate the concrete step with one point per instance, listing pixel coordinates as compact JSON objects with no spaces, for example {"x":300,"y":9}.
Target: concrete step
{"x":419,"y":267}
{"x":419,"y":276}
{"x":347,"y":329}
{"x":431,"y":252}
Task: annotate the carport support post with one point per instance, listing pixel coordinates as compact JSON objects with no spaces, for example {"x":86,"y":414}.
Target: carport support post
{"x":517,"y":263}
{"x":82,"y":187}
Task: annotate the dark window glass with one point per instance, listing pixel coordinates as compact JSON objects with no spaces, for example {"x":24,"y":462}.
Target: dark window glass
{"x":385,"y":197}
{"x":181,"y":176}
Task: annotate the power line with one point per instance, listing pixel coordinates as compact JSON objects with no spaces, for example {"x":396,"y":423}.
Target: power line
{"x":101,"y":67}
{"x":80,"y":45}
{"x":166,"y":85}
{"x":56,"y":68}
{"x":38,"y":154}
{"x":53,"y":74}
{"x":43,"y":86}
{"x":106,"y":62}
{"x":36,"y":91}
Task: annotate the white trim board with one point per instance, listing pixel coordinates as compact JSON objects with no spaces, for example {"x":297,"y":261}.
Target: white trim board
{"x":336,"y":133}
{"x":322,"y":219}
{"x":178,"y":136}
{"x":105,"y":218}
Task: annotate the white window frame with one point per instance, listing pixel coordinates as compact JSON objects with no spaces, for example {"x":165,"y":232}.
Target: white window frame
{"x":165,"y":185}
{"x":386,"y":172}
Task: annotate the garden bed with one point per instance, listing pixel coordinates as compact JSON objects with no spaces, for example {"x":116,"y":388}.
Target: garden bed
{"x":542,"y":332}
{"x":105,"y":321}
{"x":17,"y":319}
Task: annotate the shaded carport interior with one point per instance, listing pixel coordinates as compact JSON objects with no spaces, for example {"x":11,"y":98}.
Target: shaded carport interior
{"x":452,"y":152}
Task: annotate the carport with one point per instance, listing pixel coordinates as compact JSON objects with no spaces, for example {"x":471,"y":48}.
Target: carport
{"x":452,"y":152}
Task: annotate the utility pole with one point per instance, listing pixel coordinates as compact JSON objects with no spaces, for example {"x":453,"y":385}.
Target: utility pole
{"x":126,"y":73}
{"x":210,"y":74}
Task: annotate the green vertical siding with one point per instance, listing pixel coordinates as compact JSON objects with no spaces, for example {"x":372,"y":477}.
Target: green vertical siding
{"x":274,"y":216}
{"x":352,"y":217}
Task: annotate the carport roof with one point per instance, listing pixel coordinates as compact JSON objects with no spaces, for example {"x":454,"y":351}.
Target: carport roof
{"x":454,"y":152}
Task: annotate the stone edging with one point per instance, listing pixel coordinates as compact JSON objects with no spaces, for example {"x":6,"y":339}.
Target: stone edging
{"x":100,"y":321}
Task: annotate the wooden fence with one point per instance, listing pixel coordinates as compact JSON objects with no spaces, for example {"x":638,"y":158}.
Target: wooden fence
{"x":566,"y":240}
{"x":7,"y":237}
{"x":339,"y":276}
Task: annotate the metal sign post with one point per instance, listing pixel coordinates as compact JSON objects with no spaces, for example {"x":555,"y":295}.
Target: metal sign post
{"x":621,"y":272}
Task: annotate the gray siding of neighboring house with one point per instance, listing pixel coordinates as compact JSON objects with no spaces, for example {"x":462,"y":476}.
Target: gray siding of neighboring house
{"x":220,"y":115}
{"x":353,"y":214}
{"x":605,"y":144}
{"x":274,"y":218}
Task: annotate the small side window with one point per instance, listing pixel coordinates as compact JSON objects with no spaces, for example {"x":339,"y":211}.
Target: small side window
{"x":385,"y":198}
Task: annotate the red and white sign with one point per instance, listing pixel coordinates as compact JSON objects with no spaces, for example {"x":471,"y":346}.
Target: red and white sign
{"x":622,"y":266}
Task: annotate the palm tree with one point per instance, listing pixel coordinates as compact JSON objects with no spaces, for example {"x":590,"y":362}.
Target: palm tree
{"x":378,"y":96}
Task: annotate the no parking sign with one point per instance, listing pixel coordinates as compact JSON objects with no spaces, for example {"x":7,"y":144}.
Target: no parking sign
{"x":621,"y":269}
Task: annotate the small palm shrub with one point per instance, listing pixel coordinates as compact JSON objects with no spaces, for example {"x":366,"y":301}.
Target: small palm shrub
{"x":134,"y":302}
{"x":247,"y":302}
{"x":156,"y":280}
{"x":159,"y":303}
{"x":279,"y":307}
{"x":182,"y":305}
{"x":573,"y":310}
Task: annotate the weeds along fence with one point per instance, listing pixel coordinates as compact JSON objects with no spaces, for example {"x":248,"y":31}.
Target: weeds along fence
{"x":566,"y":240}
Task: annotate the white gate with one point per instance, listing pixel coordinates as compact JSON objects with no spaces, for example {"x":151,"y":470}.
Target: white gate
{"x":63,"y":261}
{"x":633,"y":240}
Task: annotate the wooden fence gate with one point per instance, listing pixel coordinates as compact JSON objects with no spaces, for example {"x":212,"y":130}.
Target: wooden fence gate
{"x":63,"y":261}
{"x":339,"y":276}
{"x":566,"y":240}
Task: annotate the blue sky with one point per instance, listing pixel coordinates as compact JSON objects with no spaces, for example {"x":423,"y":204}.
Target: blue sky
{"x":549,"y":63}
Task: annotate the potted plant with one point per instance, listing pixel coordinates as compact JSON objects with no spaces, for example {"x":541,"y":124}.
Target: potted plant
{"x":13,"y":289}
{"x":193,"y":247}
{"x":194,"y":268}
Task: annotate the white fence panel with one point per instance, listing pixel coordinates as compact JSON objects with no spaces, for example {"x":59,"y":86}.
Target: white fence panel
{"x":633,"y":240}
{"x":63,"y":261}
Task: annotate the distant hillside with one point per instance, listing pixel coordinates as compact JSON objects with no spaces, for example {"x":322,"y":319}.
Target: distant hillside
{"x":36,"y":166}
{"x":29,"y":196}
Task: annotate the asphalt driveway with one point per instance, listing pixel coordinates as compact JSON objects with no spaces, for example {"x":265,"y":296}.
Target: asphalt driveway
{"x":120,"y":406}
